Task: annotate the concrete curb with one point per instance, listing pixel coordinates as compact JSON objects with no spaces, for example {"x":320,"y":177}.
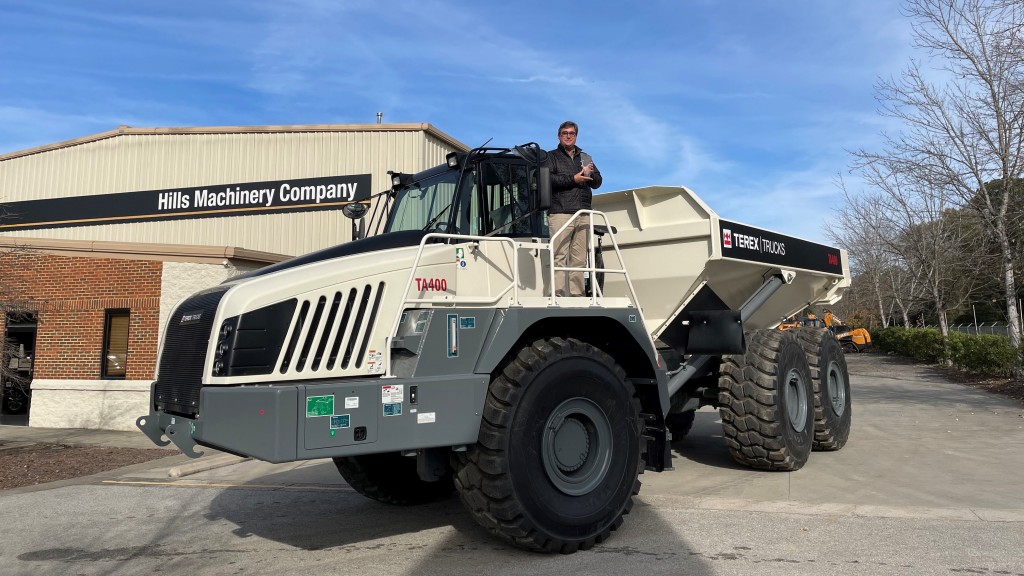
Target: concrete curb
{"x":833,"y":509}
{"x":204,"y":464}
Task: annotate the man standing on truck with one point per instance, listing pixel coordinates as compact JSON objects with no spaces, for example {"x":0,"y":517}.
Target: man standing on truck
{"x":573,"y":179}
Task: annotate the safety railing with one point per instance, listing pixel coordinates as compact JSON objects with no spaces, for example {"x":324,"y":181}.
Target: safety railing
{"x":596,"y":291}
{"x":513,"y":286}
{"x":448,"y":299}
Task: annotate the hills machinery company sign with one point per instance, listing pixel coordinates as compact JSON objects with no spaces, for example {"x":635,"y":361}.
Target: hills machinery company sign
{"x":218,"y":200}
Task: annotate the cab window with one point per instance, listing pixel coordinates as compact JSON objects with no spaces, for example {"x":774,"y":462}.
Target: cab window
{"x":504,"y":200}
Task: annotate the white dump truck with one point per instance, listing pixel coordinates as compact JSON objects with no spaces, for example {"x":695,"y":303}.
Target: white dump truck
{"x":433,"y":355}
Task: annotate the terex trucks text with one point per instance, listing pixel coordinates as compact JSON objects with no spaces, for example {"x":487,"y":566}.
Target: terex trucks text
{"x":434,"y":356}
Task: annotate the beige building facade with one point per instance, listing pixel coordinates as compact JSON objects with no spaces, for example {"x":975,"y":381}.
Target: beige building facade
{"x":142,"y":217}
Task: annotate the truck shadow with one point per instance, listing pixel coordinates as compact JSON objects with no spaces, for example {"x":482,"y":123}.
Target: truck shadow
{"x":705,"y":443}
{"x":336,"y":518}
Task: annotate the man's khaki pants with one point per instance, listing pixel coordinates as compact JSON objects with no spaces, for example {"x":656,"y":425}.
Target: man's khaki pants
{"x":570,"y":249}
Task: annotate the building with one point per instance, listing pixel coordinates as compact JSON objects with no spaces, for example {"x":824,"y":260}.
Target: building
{"x":101,"y":236}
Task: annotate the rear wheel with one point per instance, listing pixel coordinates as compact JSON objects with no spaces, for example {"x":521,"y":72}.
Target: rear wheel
{"x":392,"y":478}
{"x":767,"y":402}
{"x":556,"y":465}
{"x":831,"y":380}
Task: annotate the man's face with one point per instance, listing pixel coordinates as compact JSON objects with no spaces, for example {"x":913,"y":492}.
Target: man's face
{"x":567,"y":136}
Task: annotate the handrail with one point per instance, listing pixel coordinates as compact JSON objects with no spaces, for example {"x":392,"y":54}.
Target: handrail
{"x":456,"y":300}
{"x":595,"y":293}
{"x":596,"y":290}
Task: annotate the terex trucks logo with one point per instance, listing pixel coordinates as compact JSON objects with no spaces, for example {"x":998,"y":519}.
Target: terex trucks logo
{"x":750,"y":242}
{"x":742,"y":242}
{"x":190,"y":317}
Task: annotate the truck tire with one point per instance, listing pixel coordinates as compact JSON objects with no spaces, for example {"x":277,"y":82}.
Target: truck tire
{"x":559,"y":453}
{"x":831,"y":381}
{"x":680,"y":423}
{"x":392,"y":479}
{"x":767,"y":402}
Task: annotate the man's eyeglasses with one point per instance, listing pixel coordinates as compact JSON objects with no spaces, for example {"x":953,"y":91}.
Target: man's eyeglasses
{"x":566,"y":133}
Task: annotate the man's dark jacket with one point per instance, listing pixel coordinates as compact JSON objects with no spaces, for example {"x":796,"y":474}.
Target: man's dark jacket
{"x":566,"y":196}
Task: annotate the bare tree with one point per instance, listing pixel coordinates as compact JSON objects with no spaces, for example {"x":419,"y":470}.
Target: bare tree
{"x":963,"y":115}
{"x":921,"y":242}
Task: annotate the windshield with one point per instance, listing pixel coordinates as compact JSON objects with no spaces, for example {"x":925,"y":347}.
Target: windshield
{"x":425,"y":204}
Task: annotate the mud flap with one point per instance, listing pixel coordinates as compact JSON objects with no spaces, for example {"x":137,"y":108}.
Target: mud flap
{"x":714,"y":332}
{"x":657,"y":448}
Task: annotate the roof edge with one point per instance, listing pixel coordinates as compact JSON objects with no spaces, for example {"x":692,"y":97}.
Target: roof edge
{"x":140,"y":250}
{"x":269,"y":129}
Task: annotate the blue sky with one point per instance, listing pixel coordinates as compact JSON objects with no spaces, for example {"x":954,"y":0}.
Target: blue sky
{"x":752,"y":104}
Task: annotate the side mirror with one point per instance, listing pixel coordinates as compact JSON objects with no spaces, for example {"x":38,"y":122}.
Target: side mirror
{"x":354,"y":210}
{"x":544,"y":188}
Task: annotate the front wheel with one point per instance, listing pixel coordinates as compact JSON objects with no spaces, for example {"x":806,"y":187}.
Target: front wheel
{"x":556,"y":465}
{"x":680,"y":424}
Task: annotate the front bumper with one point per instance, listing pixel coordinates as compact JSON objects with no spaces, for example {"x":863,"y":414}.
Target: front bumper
{"x":285,"y":423}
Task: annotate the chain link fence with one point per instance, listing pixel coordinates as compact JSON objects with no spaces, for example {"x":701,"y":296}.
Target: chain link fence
{"x":996,"y":328}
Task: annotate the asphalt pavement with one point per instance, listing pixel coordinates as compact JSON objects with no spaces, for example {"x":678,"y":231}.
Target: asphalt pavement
{"x":929,"y":483}
{"x":920,"y":446}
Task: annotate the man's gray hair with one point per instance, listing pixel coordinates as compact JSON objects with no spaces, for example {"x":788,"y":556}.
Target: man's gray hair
{"x":567,"y":124}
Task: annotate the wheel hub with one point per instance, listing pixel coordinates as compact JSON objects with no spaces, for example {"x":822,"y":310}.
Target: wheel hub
{"x":796,"y":401}
{"x":577,"y":446}
{"x":572,"y":445}
{"x":836,"y":388}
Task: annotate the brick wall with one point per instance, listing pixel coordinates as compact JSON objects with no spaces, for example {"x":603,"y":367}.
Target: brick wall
{"x":70,"y":296}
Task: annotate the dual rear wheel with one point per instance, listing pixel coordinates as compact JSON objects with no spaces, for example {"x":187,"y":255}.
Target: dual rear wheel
{"x":789,"y":393}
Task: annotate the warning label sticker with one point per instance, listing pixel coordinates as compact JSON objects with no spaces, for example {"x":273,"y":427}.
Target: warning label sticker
{"x":375,"y":362}
{"x":391,"y":394}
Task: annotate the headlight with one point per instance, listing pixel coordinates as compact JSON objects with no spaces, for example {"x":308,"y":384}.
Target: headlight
{"x":225,"y":343}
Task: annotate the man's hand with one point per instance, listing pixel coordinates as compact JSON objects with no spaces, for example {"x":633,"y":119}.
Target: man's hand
{"x":583,"y":176}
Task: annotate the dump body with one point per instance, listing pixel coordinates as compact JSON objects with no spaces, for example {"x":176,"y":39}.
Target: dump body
{"x":672,"y":244}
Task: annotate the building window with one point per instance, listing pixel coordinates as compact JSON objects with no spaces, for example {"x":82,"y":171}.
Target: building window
{"x":115,"y":344}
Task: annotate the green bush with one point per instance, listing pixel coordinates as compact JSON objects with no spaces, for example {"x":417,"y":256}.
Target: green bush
{"x":889,"y":340}
{"x":976,"y":353}
{"x":986,"y":354}
{"x":927,"y":345}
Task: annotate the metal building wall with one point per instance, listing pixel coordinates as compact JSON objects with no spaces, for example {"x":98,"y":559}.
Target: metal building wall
{"x":155,"y":159}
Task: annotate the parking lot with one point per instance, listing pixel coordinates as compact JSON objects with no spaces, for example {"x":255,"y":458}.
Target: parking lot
{"x":929,"y":483}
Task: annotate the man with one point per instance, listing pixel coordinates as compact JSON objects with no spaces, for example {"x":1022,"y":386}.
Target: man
{"x":573,"y":179}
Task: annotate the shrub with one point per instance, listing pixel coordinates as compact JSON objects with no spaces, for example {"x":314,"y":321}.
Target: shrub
{"x":926,"y":345}
{"x":986,"y":354}
{"x":976,"y":353}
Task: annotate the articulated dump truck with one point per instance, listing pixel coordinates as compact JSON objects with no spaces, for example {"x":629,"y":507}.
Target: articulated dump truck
{"x":435,"y":357}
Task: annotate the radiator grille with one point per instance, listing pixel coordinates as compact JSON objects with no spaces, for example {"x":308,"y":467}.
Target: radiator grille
{"x":332,"y":331}
{"x":184,"y":353}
